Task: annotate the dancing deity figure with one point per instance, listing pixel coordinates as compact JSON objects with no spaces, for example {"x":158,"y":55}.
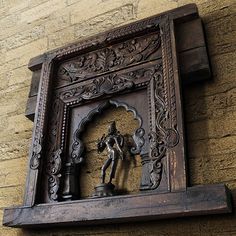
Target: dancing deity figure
{"x":113,"y":142}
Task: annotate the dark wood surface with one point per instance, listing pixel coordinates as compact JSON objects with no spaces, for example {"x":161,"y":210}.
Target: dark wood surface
{"x":198,"y":200}
{"x":104,"y":70}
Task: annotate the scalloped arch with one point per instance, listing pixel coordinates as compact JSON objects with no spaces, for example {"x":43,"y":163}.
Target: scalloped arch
{"x":78,"y":146}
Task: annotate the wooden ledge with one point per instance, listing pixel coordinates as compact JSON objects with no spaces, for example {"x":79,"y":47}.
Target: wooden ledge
{"x":197,"y":200}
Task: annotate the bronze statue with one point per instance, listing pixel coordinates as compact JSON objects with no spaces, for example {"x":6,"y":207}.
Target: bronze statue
{"x":114,"y":142}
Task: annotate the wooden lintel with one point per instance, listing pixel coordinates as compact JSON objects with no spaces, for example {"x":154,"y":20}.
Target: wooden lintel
{"x":192,"y":55}
{"x":197,"y":200}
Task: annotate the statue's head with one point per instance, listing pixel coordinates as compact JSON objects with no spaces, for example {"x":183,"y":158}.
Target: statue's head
{"x":112,"y":128}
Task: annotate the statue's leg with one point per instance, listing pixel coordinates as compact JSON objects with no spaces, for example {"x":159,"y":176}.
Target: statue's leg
{"x":113,"y":169}
{"x":104,"y":167}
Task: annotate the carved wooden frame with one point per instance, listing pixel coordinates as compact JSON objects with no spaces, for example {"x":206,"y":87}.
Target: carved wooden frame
{"x":160,"y":78}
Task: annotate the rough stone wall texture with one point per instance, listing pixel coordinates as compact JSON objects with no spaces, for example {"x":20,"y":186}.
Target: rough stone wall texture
{"x":30,"y":27}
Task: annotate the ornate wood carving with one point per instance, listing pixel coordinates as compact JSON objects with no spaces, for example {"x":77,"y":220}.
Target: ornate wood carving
{"x":110,"y":58}
{"x":103,"y":85}
{"x":38,"y":130}
{"x":163,"y":101}
{"x":134,"y":67}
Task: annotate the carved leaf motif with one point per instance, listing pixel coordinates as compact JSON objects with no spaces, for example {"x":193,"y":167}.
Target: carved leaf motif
{"x":36,"y":155}
{"x":53,"y":169}
{"x":172,"y":137}
{"x":157,"y":146}
{"x":105,"y":59}
{"x":78,"y":149}
{"x":124,"y":54}
{"x":155,"y":174}
{"x":99,"y":86}
{"x":54,"y":164}
{"x":70,"y":71}
{"x":138,"y":140}
{"x":54,"y":150}
{"x":53,"y":187}
{"x":165,"y":136}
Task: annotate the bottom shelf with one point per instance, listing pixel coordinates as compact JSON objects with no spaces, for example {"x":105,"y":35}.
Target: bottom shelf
{"x":197,"y":200}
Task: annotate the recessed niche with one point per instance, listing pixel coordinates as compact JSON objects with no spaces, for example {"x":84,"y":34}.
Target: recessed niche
{"x":128,"y":173}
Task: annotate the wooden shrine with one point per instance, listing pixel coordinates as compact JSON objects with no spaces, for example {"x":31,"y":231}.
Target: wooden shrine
{"x":141,"y":67}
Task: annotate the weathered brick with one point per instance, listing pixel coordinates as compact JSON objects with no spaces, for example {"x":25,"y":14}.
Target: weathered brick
{"x":61,"y":38}
{"x":18,"y":5}
{"x":41,"y":11}
{"x":10,"y":3}
{"x":20,"y":76}
{"x":27,"y":51}
{"x":213,"y":106}
{"x":6,"y":67}
{"x":209,"y":169}
{"x":209,"y":7}
{"x":33,"y":3}
{"x":105,"y":21}
{"x":90,"y":9}
{"x":220,"y":11}
{"x":11,"y":196}
{"x":209,"y":128}
{"x":148,"y":8}
{"x":25,"y":37}
{"x":58,"y":21}
{"x":7,"y":23}
{"x":23,"y":124}
{"x":223,"y":68}
{"x":221,"y":35}
{"x":70,"y":2}
{"x":4,"y":82}
{"x":11,"y":173}
{"x":212,"y":147}
{"x":15,"y":149}
{"x":13,"y":101}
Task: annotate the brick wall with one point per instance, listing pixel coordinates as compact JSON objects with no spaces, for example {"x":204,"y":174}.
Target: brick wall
{"x":30,"y":27}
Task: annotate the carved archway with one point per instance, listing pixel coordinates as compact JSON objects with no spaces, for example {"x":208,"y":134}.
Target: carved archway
{"x":78,"y":146}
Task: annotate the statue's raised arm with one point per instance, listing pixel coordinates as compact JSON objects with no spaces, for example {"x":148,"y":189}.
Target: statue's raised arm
{"x":101,"y":144}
